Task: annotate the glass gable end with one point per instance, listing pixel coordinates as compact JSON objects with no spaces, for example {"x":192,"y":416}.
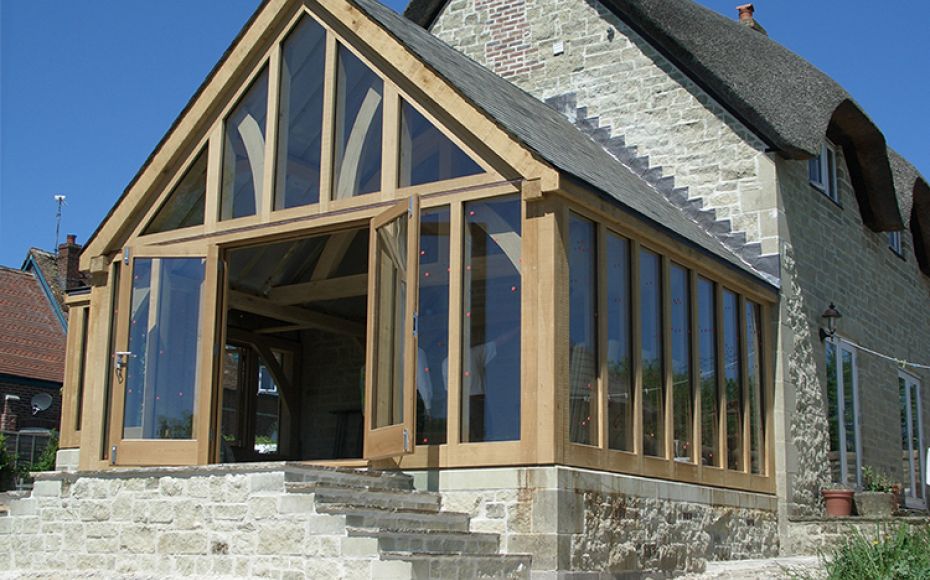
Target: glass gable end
{"x":426,"y":155}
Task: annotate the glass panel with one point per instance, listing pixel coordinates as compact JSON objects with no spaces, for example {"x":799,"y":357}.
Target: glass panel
{"x":707,"y":337}
{"x":849,"y":417}
{"x":491,"y":325}
{"x":244,"y":153}
{"x":756,"y":395}
{"x":814,"y":170}
{"x":163,"y":337}
{"x":300,"y":116}
{"x":907,"y":451}
{"x":390,"y":315}
{"x":358,"y":127}
{"x":831,"y":174}
{"x":185,"y":203}
{"x":582,"y":366}
{"x":833,"y":409}
{"x":916,"y":443}
{"x":426,"y":155}
{"x":433,"y":327}
{"x":650,"y":308}
{"x":230,"y":428}
{"x":732,"y":381}
{"x":619,"y":346}
{"x":82,"y":368}
{"x":683,"y":407}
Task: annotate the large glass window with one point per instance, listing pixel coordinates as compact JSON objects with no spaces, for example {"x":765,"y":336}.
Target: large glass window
{"x":843,"y":413}
{"x":244,"y":152}
{"x":433,"y":327}
{"x":619,"y":346}
{"x":650,"y":309}
{"x":707,"y":340}
{"x":300,"y":116}
{"x":756,"y":395}
{"x":583,"y":371}
{"x":390,"y":316}
{"x":732,"y":381}
{"x":683,"y":400}
{"x":184,"y":206}
{"x":491,"y":320}
{"x":359,"y":104}
{"x":912,"y":438}
{"x":163,"y":337}
{"x":426,"y":155}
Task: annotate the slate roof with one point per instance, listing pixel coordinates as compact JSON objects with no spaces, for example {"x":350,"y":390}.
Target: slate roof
{"x":551,"y":136}
{"x":32,"y":341}
{"x":786,"y":100}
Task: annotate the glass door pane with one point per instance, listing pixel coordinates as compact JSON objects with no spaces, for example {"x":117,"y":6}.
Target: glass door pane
{"x":161,"y":364}
{"x":391,"y":391}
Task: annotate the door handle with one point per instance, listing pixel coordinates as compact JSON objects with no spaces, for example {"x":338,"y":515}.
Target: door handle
{"x":120,"y":362}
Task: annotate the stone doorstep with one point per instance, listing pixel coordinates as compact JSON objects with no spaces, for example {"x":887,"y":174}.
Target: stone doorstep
{"x":400,"y":521}
{"x":362,"y":480}
{"x":355,"y":498}
{"x":431,"y":541}
{"x":465,"y":567}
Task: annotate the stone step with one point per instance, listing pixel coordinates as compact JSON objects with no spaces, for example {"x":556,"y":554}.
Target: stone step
{"x":353,"y":498}
{"x":402,"y":521}
{"x":465,"y":567}
{"x":432,"y":542}
{"x":358,"y":479}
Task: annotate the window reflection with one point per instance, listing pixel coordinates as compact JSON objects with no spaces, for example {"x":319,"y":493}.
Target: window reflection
{"x":185,"y":204}
{"x":244,"y":152}
{"x":359,"y":102}
{"x":732,"y":381}
{"x":390,"y":319}
{"x":683,"y":401}
{"x":619,"y":349}
{"x":707,"y":339}
{"x":756,"y":396}
{"x":491,"y":321}
{"x":426,"y":155}
{"x":300,"y":116}
{"x":163,"y":337}
{"x":433,"y":327}
{"x":650,"y":308}
{"x":583,"y":371}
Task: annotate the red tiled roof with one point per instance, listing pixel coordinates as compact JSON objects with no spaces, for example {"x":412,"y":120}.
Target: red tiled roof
{"x":32,"y":341}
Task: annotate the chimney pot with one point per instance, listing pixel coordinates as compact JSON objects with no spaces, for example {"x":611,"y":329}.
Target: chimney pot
{"x":745,"y":12}
{"x":69,"y":254}
{"x":71,"y":239}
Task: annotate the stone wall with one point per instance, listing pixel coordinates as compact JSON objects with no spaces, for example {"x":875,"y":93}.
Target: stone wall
{"x":585,"y":521}
{"x":619,"y":78}
{"x":218,"y":521}
{"x":813,"y":536}
{"x":829,"y":256}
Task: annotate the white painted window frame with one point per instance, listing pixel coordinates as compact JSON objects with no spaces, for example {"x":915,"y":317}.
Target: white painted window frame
{"x":911,"y":389}
{"x":841,"y":346}
{"x":828,"y":183}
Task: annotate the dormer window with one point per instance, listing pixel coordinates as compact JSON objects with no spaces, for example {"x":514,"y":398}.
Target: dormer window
{"x":822,"y":171}
{"x":894,"y":242}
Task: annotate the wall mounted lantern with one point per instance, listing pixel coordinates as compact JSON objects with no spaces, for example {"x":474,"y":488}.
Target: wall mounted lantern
{"x":830,"y":315}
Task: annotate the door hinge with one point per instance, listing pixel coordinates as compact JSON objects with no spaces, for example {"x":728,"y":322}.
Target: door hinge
{"x":410,"y":207}
{"x":113,"y":455}
{"x":126,"y":253}
{"x":406,"y":441}
{"x":416,"y":324}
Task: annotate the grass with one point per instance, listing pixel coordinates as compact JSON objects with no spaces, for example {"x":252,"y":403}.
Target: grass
{"x":901,"y":553}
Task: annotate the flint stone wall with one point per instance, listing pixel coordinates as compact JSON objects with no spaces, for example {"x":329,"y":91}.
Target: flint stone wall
{"x":574,"y":520}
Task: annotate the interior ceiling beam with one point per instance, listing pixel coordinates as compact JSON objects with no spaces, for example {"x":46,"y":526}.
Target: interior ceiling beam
{"x":332,"y":289}
{"x":294,"y":314}
{"x":335,"y":250}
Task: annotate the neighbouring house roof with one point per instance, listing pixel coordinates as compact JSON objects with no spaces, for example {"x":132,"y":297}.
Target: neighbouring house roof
{"x":45,"y":266}
{"x":32,"y":340}
{"x":786,"y":100}
{"x":550,"y":135}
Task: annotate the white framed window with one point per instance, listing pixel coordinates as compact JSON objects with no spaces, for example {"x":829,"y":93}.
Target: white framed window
{"x":822,"y":171}
{"x":894,"y":242}
{"x":912,"y":440}
{"x":843,"y":413}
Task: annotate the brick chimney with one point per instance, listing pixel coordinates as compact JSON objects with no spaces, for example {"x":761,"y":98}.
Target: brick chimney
{"x":8,"y":417}
{"x":746,"y":18}
{"x":69,"y":254}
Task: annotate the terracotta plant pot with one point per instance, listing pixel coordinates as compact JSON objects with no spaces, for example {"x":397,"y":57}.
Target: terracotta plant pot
{"x":838,"y":502}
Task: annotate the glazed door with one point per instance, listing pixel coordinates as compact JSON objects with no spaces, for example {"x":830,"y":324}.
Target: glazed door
{"x":162,"y":364}
{"x":390,"y":390}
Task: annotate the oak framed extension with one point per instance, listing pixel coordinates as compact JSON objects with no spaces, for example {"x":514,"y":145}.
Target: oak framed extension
{"x":459,"y":296}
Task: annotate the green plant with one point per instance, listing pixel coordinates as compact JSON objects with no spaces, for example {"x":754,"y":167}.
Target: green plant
{"x":893,"y":554}
{"x":874,"y":481}
{"x":46,"y":460}
{"x":7,"y":471}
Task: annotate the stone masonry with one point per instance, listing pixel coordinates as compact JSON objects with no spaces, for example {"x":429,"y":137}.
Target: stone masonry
{"x":582,"y":49}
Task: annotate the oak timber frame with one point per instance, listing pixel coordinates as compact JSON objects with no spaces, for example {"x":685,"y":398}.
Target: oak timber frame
{"x":546,"y":195}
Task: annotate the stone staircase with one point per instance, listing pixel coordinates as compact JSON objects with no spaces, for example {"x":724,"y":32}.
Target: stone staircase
{"x":397,"y":523}
{"x":722,"y":229}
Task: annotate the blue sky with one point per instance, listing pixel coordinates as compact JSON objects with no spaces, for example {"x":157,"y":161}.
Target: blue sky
{"x":88,"y":88}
